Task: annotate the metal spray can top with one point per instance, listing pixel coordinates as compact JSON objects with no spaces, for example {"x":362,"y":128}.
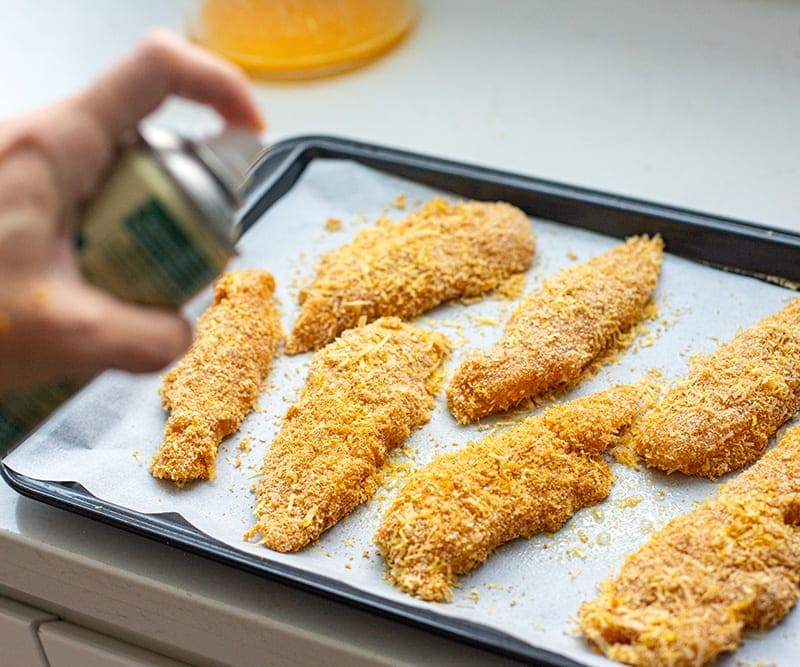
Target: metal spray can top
{"x":214,"y":173}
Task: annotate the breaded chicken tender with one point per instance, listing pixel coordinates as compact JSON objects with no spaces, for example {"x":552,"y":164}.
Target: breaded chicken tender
{"x":558,"y":330}
{"x":451,"y":515}
{"x":364,"y":394}
{"x":443,"y":251}
{"x":211,"y":390}
{"x":723,"y":414}
{"x":728,"y":566}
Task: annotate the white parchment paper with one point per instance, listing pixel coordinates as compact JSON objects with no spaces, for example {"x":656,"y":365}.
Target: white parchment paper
{"x":531,"y":589}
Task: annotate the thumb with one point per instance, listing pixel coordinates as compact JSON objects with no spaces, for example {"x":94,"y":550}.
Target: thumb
{"x":98,"y":331}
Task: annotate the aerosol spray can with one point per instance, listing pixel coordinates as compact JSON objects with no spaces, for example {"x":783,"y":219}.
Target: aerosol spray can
{"x":160,"y":229}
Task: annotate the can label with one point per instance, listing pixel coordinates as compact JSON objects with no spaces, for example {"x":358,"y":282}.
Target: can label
{"x":144,"y":241}
{"x":183,"y":267}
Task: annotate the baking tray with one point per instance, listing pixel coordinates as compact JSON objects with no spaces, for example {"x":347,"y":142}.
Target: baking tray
{"x":741,"y":247}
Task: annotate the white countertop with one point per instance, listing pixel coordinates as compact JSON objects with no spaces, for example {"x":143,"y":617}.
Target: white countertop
{"x":688,"y":102}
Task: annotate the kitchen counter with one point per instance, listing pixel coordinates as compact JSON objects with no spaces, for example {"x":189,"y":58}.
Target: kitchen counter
{"x":691,"y":103}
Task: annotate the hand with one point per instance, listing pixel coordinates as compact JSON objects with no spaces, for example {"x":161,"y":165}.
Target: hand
{"x":53,"y":324}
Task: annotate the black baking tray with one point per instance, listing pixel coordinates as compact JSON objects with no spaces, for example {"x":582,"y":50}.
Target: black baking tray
{"x":743,"y":247}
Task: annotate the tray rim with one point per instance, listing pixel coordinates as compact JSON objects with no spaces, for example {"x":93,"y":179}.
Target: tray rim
{"x":274,"y":177}
{"x":638,"y":215}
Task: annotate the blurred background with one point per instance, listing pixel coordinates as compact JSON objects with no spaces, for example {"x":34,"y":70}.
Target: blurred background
{"x":693,"y":103}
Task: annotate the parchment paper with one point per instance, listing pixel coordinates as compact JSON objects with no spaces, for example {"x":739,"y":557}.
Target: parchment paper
{"x":531,"y":589}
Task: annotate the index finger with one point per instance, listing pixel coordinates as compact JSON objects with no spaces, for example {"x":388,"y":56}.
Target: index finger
{"x":78,"y":136}
{"x":163,"y":65}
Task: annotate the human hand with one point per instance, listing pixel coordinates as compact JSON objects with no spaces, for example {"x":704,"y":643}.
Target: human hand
{"x":53,"y":324}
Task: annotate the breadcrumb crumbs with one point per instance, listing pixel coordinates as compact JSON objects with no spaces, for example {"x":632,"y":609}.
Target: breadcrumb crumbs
{"x":729,"y":566}
{"x":333,"y":224}
{"x":556,"y":332}
{"x":442,"y":252}
{"x":512,"y":287}
{"x":484,"y":321}
{"x":218,"y":381}
{"x":628,"y":503}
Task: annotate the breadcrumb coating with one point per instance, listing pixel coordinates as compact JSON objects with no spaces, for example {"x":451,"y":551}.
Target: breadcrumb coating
{"x":723,"y":414}
{"x":443,"y":251}
{"x":364,"y":394}
{"x":451,"y":515}
{"x":558,"y":330}
{"x":211,"y":390}
{"x":730,"y":565}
